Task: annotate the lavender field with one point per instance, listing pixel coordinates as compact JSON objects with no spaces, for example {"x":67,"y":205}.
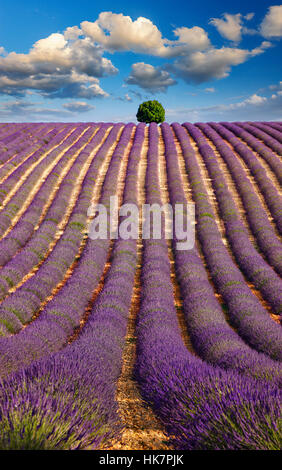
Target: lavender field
{"x":131,"y":343}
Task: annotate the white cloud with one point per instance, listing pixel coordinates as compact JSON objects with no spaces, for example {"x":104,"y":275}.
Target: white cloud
{"x":56,"y":67}
{"x":232,"y":26}
{"x":271,"y":27}
{"x":212,"y":64}
{"x":249,"y":16}
{"x":260,"y":49}
{"x":189,"y":39}
{"x":27,"y":110}
{"x":78,"y":106}
{"x":116,"y":32}
{"x":126,"y":97}
{"x":152,"y":79}
{"x":135,"y":94}
{"x":203,"y":66}
{"x":229,"y":26}
{"x":277,"y":95}
{"x":23,"y":110}
{"x":72,"y":33}
{"x":210,"y":90}
{"x":277,"y":86}
{"x":254,"y":107}
{"x":255,"y":100}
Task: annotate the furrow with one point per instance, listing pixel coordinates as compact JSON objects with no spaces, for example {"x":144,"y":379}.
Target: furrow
{"x":141,"y":429}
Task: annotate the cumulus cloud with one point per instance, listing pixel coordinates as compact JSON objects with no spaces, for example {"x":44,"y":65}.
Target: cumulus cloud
{"x":229,"y":26}
{"x":203,"y":66}
{"x":232,"y":27}
{"x":200,"y":67}
{"x":126,"y":97}
{"x":78,"y":106}
{"x":255,"y":107}
{"x":278,"y":90}
{"x":249,"y":16}
{"x":277,"y":86}
{"x":21,"y":109}
{"x":117,"y":32}
{"x":276,"y":95}
{"x":253,"y":100}
{"x":150,"y":78}
{"x":136,"y":94}
{"x":189,"y":39}
{"x":271,"y":26}
{"x":72,"y":33}
{"x":260,"y":49}
{"x":56,"y":67}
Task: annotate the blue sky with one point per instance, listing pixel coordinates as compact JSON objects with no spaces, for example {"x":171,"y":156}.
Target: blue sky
{"x":97,"y":61}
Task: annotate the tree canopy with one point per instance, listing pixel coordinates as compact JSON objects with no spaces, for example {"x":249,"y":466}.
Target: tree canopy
{"x":150,"y":111}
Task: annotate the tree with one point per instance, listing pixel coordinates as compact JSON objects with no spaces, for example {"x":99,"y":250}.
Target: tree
{"x":150,"y":111}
